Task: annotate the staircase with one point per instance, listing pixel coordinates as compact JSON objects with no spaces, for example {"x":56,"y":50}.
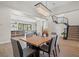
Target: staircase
{"x":73,"y":32}
{"x":64,"y":21}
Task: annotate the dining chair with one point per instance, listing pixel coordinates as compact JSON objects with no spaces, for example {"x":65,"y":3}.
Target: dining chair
{"x":57,"y":44}
{"x":51,"y":47}
{"x":57,"y":48}
{"x":27,"y":36}
{"x":35,"y":33}
{"x":19,"y":52}
{"x":45,"y":35}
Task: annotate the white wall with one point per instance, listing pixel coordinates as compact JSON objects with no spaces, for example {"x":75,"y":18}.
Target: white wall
{"x":40,"y":25}
{"x":51,"y":25}
{"x":73,"y":17}
{"x":4,"y":25}
{"x":5,"y":32}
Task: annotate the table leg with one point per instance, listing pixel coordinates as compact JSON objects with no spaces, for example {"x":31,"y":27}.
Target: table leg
{"x":37,"y":51}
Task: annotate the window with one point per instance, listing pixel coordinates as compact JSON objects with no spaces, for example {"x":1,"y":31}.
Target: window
{"x":25,"y":27}
{"x":20,"y":26}
{"x":29,"y":27}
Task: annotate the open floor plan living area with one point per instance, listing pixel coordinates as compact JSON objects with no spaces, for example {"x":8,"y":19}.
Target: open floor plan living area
{"x":39,"y":28}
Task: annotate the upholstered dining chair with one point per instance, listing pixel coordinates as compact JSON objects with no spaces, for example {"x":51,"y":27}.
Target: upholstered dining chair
{"x":19,"y":52}
{"x":51,"y":47}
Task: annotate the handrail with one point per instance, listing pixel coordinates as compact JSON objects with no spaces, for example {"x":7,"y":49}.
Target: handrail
{"x":65,"y":23}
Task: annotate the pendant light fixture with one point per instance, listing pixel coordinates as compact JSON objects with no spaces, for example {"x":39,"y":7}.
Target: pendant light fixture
{"x":42,"y":9}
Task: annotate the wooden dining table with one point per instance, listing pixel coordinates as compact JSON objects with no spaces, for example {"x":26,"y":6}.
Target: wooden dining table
{"x":36,"y":41}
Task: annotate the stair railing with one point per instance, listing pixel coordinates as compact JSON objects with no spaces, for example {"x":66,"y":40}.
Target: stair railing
{"x":55,"y":20}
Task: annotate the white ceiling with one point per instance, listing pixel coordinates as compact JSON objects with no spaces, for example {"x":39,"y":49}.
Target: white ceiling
{"x":57,"y":7}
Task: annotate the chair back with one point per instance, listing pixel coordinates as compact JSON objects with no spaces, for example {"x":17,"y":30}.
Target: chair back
{"x":53,"y":42}
{"x":49,"y":47}
{"x":45,"y":34}
{"x":35,"y":33}
{"x":17,"y":49}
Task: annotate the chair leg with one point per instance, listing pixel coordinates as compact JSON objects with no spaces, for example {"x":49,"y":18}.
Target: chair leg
{"x":49,"y":54}
{"x":43,"y":53}
{"x":53,"y":53}
{"x":34,"y":54}
{"x":58,"y":48}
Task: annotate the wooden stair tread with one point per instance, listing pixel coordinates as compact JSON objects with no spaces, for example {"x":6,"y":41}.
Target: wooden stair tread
{"x":73,"y":32}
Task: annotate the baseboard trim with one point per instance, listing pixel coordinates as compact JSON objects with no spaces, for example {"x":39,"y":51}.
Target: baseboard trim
{"x":5,"y":42}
